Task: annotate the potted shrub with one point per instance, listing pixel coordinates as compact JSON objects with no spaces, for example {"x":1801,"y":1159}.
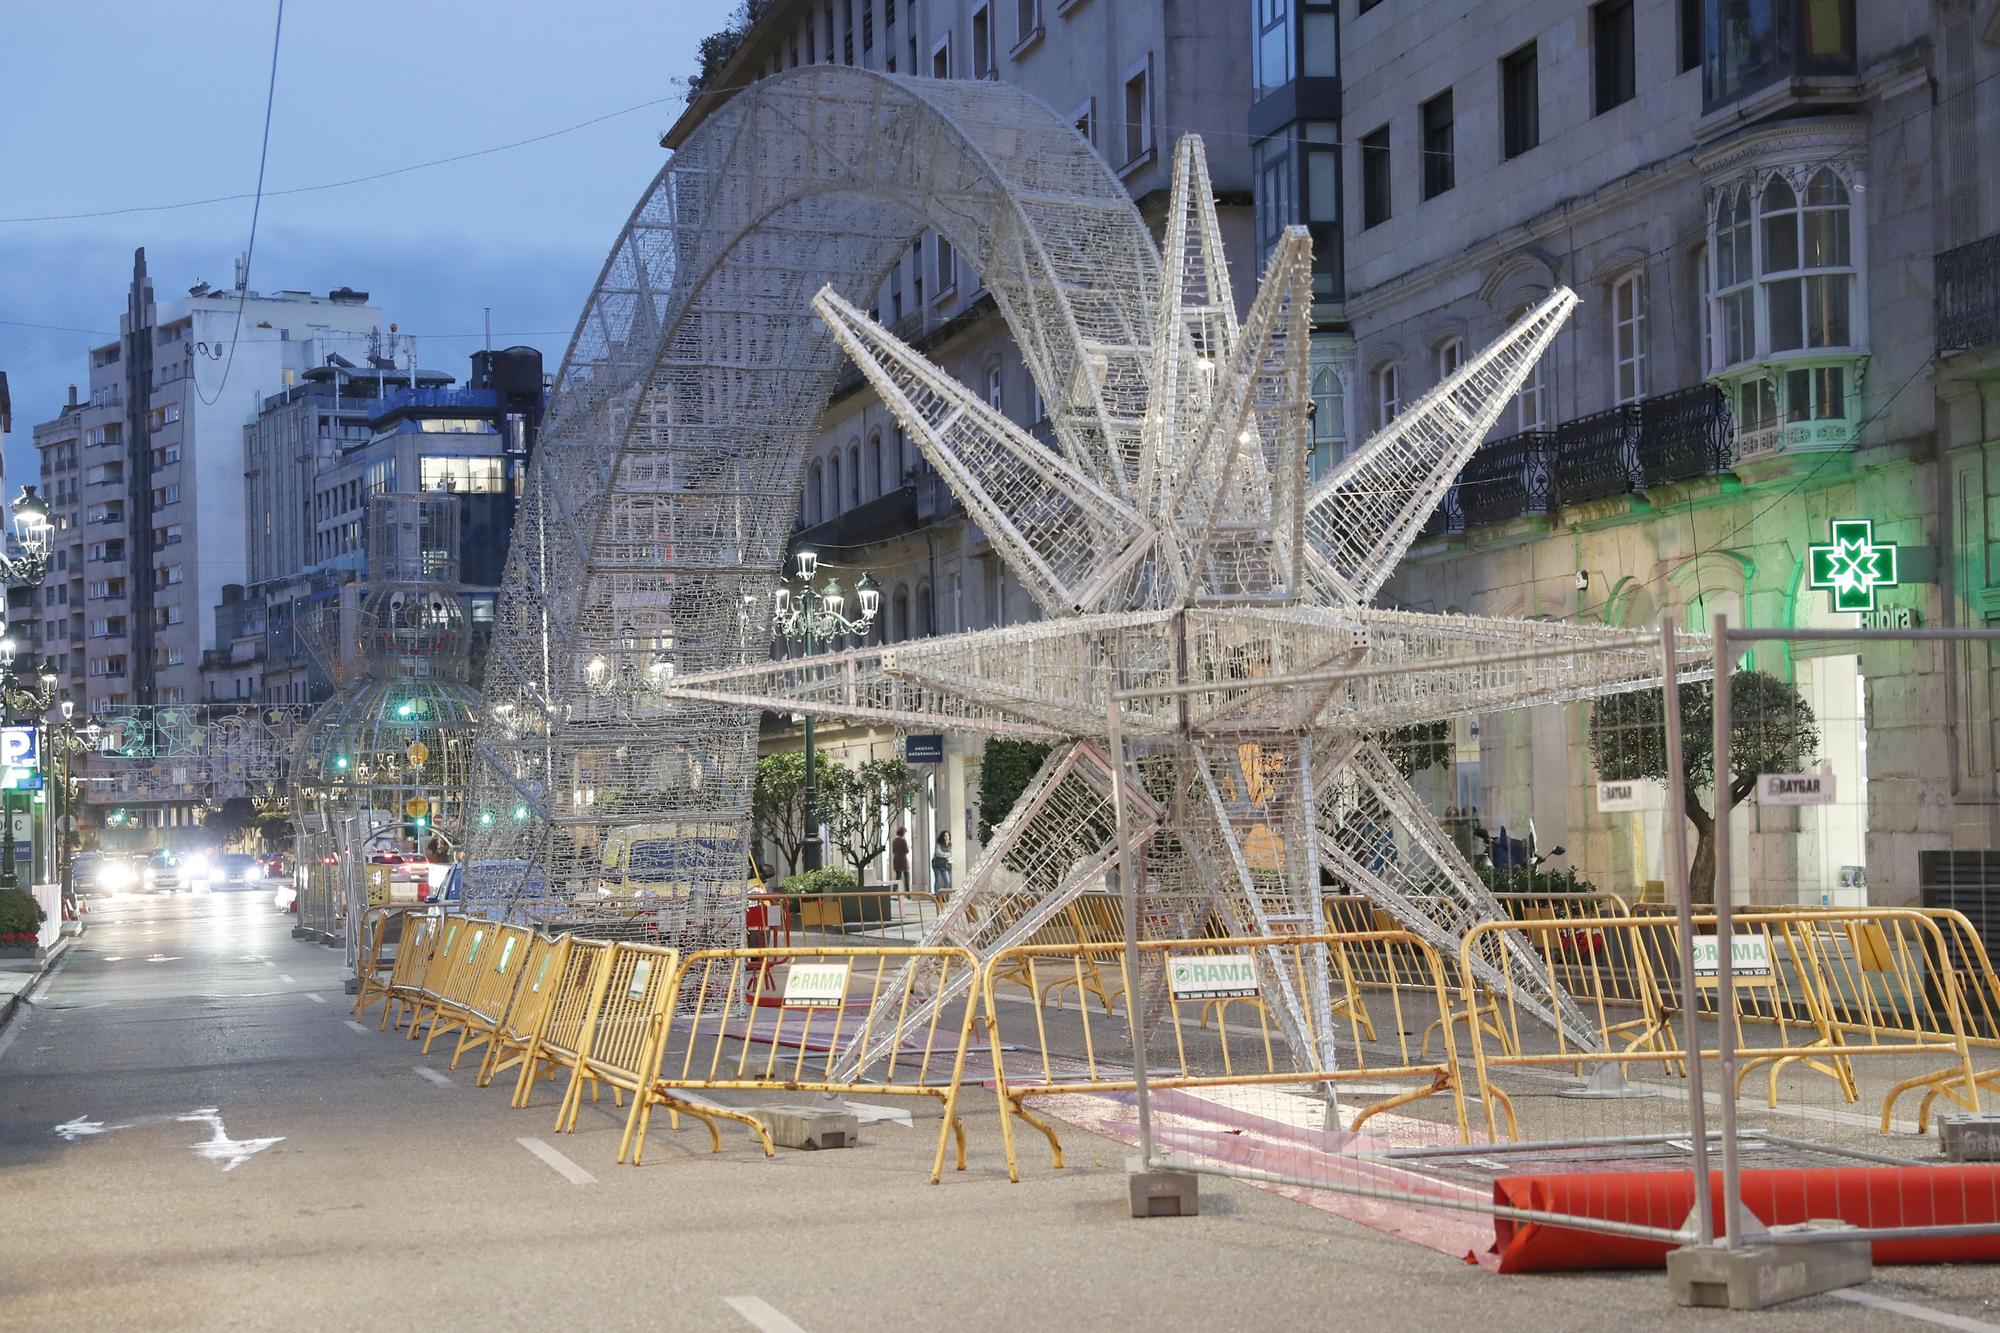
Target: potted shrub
{"x":806,"y":889}
{"x":20,"y":924}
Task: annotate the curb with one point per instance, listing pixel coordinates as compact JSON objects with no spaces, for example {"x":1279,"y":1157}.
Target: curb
{"x":10,"y":1003}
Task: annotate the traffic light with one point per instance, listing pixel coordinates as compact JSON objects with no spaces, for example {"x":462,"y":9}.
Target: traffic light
{"x":486,"y":819}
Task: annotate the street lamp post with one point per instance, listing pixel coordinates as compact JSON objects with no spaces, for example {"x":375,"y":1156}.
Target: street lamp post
{"x":69,"y":739}
{"x":805,"y":617}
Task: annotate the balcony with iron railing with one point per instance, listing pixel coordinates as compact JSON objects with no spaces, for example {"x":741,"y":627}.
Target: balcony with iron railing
{"x":1672,"y":437}
{"x":1968,"y":296}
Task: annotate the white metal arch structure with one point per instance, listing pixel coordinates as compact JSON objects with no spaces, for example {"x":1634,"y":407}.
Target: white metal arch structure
{"x":667,"y":477}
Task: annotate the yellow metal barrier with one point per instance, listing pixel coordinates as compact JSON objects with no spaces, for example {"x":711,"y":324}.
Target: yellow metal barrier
{"x":828,"y":1006}
{"x":522,"y":1021}
{"x":383,"y":932}
{"x":559,"y":1033}
{"x":1093,"y":918}
{"x":496,"y":976}
{"x":1833,"y":985}
{"x":406,"y":977}
{"x":471,"y":958}
{"x":1253,"y":1053}
{"x":451,"y":934}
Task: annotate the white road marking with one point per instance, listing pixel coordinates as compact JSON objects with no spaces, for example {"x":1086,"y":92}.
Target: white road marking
{"x":79,"y":1128}
{"x":287,"y":980}
{"x":868,"y":1113}
{"x":219,"y":1147}
{"x":565,"y":1168}
{"x":316,"y":999}
{"x":267,"y":962}
{"x":425,"y":1071}
{"x":357,"y":1027}
{"x":1919,"y":1312}
{"x":759,"y":1314}
{"x":164,"y":958}
{"x":115,"y":958}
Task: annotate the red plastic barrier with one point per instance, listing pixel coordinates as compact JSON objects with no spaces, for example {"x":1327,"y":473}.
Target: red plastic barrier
{"x":1871,"y":1196}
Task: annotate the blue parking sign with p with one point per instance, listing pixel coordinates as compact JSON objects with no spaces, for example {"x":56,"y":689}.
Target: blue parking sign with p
{"x":20,"y":758}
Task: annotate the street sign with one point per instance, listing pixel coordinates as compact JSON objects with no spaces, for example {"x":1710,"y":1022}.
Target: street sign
{"x":1749,"y":958}
{"x":418,"y":752}
{"x":1795,"y":789}
{"x":1213,"y":977}
{"x":923,"y":749}
{"x":416,"y":807}
{"x":1619,"y":796}
{"x":815,"y":985}
{"x":20,"y":759}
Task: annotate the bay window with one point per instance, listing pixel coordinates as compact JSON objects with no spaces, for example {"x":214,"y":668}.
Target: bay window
{"x":1782,"y":299}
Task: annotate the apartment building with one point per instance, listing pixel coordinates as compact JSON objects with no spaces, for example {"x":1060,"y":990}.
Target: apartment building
{"x":153,"y":459}
{"x":1784,"y":238}
{"x":319,"y":452}
{"x":56,"y":626}
{"x":1132,"y":76}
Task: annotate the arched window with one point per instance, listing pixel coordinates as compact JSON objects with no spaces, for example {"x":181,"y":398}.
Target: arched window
{"x":1529,"y":403}
{"x":875,"y":468}
{"x":833,"y":491}
{"x":853,"y":475}
{"x":993,"y":386}
{"x":1329,"y":417}
{"x":899,"y":613}
{"x":926,"y":614}
{"x":814,"y":501}
{"x":1450,"y":356}
{"x":1388,"y":393}
{"x":1788,"y":326}
{"x":1628,"y":338}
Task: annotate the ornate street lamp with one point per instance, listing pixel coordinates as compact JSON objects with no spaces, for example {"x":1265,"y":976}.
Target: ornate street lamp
{"x":31,"y":535}
{"x":69,"y":738}
{"x":805,"y":616}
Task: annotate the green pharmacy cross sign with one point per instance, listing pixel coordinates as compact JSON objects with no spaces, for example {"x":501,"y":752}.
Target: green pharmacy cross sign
{"x":1852,"y":566}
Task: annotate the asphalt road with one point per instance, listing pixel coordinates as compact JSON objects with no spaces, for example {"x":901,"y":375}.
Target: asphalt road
{"x":192,"y":1135}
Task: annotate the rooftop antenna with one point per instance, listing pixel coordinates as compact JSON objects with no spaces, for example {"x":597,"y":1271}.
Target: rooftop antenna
{"x":489,"y":330}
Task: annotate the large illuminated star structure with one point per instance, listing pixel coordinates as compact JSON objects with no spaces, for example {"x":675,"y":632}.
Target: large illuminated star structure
{"x":1187,"y":561}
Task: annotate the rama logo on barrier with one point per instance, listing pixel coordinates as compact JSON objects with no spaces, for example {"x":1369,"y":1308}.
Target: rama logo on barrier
{"x":1213,"y":977}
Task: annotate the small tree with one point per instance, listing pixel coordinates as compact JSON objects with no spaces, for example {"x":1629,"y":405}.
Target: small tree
{"x":1771,"y":730}
{"x":861,"y":806}
{"x":778,"y":802}
{"x":1005,"y":770}
{"x":234,"y":818}
{"x":1419,"y":746}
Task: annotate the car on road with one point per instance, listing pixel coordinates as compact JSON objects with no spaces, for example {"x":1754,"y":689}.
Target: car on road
{"x":235,"y":870}
{"x":165,"y":874}
{"x":101,"y":874}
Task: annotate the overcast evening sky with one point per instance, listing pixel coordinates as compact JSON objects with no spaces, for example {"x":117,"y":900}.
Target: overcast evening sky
{"x":113,"y":104}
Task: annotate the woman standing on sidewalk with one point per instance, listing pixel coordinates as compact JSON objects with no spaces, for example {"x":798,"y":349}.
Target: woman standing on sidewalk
{"x":941,"y":863}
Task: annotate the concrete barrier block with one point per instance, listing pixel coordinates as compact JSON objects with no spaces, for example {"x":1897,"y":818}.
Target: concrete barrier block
{"x":1969,"y":1137}
{"x":1758,"y":1276}
{"x":809,"y":1127}
{"x":1162,"y":1193}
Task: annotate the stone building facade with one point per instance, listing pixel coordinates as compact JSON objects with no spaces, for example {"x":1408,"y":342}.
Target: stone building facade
{"x":1789,"y":261}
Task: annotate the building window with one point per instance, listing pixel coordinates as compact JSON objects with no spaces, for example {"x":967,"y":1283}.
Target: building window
{"x":1528,"y":409}
{"x":1701,"y":311}
{"x":875,"y":468}
{"x":946,"y":267}
{"x":1751,"y":44}
{"x":868,"y":27}
{"x":809,"y":502}
{"x":993,"y":386}
{"x":941,"y":57}
{"x":1274,"y":210}
{"x":1388,"y":394}
{"x":1027,"y":20}
{"x":1784,"y":291}
{"x":1611,"y":34}
{"x":1273,"y":51}
{"x":1375,"y":178}
{"x":982,"y":43}
{"x":1628,"y":337}
{"x":1450,"y":356}
{"x":1438,"y":173}
{"x":1690,"y":35}
{"x":853,"y":475}
{"x":1329,"y":410}
{"x":1085,"y":120}
{"x":833,"y":491}
{"x":1520,"y":103}
{"x":1138,"y":111}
